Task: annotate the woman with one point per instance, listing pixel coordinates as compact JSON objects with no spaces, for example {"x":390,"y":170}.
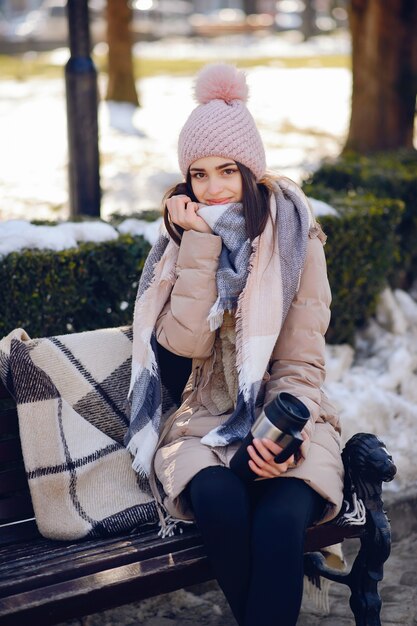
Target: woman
{"x":238,"y":284}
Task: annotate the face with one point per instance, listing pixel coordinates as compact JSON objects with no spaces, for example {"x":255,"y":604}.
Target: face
{"x":216,"y":180}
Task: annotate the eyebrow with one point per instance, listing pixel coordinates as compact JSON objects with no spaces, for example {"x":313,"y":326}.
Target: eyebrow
{"x":219,"y":167}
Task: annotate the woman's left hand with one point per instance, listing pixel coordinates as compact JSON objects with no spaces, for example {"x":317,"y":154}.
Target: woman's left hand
{"x":262,"y":453}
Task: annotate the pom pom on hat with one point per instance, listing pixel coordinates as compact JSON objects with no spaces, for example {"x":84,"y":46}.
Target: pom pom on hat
{"x":220,"y":82}
{"x":221,"y":125}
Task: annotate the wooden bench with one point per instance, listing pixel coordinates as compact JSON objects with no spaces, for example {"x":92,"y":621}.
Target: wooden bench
{"x":45,"y":582}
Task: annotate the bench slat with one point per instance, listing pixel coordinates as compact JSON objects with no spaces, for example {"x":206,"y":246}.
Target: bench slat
{"x":3,"y":392}
{"x":9,"y":424}
{"x":17,"y":533}
{"x":37,"y":571}
{"x":325,"y":535}
{"x":45,"y":551}
{"x":31,"y":554}
{"x":107,"y":589}
{"x":16,"y":507}
{"x":10,"y":450}
{"x":12,"y":480}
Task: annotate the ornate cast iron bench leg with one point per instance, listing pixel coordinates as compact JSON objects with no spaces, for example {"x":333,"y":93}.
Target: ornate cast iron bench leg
{"x":367,"y":464}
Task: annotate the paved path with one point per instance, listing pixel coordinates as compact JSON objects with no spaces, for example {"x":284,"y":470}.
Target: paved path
{"x":205,"y":605}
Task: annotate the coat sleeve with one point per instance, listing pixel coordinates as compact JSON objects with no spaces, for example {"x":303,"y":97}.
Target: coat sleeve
{"x":182,"y":326}
{"x":298,"y":360}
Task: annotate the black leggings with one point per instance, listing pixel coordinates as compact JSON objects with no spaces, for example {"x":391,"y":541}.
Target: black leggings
{"x":254,"y":537}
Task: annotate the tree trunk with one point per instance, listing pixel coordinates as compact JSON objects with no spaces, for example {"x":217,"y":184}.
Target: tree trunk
{"x":384,"y":65}
{"x":121,"y":85}
{"x":250,"y":7}
{"x":308,"y":27}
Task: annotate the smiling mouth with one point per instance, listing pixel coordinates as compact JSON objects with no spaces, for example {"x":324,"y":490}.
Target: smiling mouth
{"x":219,"y":201}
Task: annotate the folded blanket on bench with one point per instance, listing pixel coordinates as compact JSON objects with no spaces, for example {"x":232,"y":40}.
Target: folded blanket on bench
{"x":71,"y":392}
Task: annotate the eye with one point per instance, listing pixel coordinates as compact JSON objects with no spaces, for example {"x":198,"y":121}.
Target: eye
{"x":198,"y":175}
{"x":229,"y":171}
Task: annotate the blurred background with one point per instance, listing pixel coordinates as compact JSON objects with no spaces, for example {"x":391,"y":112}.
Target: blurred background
{"x":42,"y":24}
{"x":296,"y":54}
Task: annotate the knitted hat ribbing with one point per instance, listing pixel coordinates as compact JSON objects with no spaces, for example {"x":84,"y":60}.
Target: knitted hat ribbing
{"x":221,"y":125}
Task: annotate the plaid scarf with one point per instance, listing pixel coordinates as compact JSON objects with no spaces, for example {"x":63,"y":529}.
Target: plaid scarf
{"x":228,"y":221}
{"x":244,"y":278}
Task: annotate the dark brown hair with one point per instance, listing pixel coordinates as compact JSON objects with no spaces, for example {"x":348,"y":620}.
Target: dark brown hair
{"x":255,"y":201}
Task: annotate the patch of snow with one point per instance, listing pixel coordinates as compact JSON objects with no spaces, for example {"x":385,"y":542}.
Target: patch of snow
{"x":339,"y":359}
{"x":389,"y":315}
{"x":17,"y":235}
{"x":149,"y":230}
{"x":376,"y":391}
{"x":321,"y":208}
{"x":121,"y":117}
{"x":89,"y":231}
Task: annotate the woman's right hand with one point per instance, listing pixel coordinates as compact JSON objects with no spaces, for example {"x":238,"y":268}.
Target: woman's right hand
{"x":183,"y":212}
{"x":262,"y":453}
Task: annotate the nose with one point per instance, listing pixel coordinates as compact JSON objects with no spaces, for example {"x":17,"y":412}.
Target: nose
{"x":214,"y":186}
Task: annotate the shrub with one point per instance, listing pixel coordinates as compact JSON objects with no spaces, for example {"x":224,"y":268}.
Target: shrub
{"x":361,"y":247}
{"x":385,"y":175}
{"x":92,"y":286}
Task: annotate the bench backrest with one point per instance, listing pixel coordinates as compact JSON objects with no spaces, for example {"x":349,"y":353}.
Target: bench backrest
{"x":15,"y":502}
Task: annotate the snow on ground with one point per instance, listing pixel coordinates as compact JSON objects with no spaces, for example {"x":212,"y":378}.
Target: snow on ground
{"x":375,"y":386}
{"x":138,"y":146}
{"x":302,"y":115}
{"x":249,"y":46}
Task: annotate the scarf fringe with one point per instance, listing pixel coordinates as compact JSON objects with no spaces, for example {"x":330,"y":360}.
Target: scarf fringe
{"x":242,"y":327}
{"x":354,"y":517}
{"x":214,"y":440}
{"x":163,"y":273}
{"x":215,"y":316}
{"x":150,"y":365}
{"x":137,"y":464}
{"x":171,"y":526}
{"x":318,"y":593}
{"x":141,"y":447}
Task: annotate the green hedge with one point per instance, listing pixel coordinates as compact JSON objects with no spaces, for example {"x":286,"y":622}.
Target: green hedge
{"x":361,"y":248}
{"x":385,"y":175}
{"x":83,"y":288}
{"x":50,"y":293}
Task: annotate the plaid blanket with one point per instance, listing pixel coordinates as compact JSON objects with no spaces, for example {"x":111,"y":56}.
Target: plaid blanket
{"x":71,"y":393}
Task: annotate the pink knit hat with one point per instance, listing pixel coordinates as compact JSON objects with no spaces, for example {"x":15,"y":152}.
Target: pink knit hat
{"x":221,"y":125}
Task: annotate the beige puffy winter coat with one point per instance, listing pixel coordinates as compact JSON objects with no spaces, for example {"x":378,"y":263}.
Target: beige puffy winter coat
{"x":296,"y":366}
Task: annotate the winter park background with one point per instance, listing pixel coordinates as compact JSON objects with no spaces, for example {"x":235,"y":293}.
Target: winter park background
{"x":302,"y":113}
